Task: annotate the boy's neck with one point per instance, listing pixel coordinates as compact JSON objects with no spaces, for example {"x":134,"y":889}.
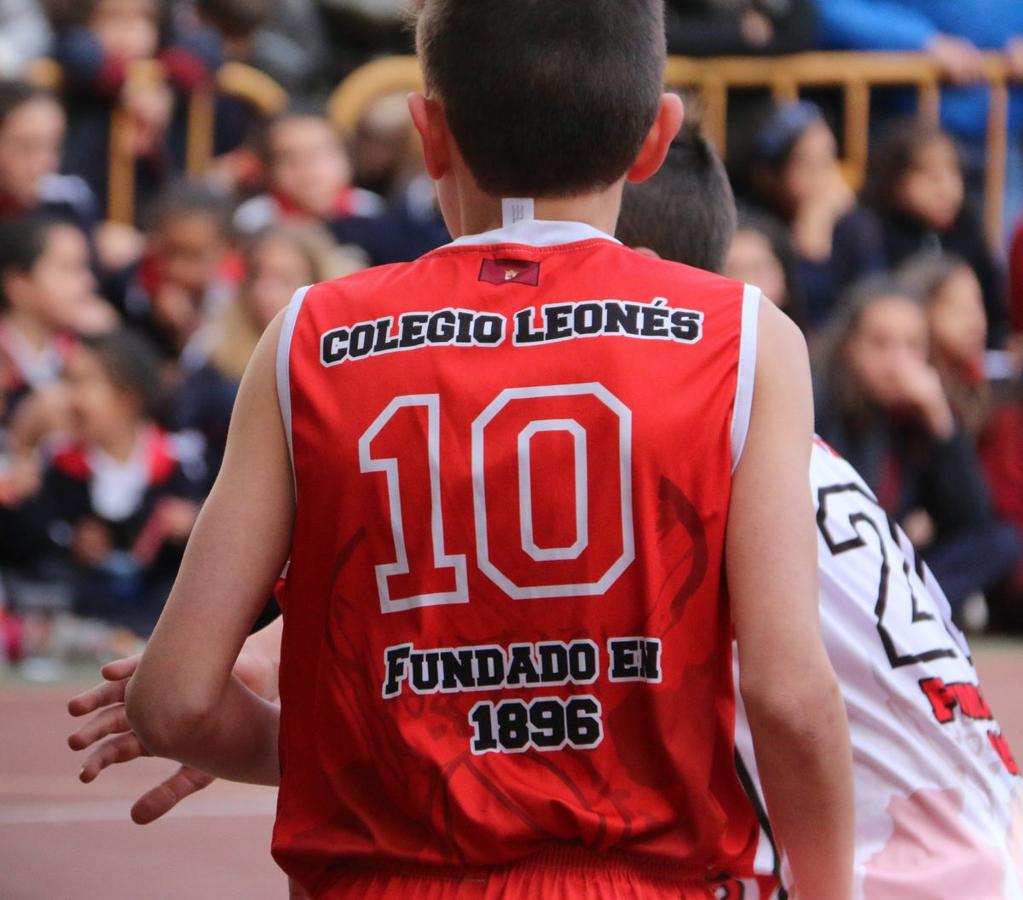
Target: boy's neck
{"x":481,"y":213}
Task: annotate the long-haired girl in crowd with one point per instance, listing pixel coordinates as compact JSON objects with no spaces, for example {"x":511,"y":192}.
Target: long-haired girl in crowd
{"x":883,"y":406}
{"x":915,"y":185}
{"x":790,"y":170}
{"x":986,"y":394}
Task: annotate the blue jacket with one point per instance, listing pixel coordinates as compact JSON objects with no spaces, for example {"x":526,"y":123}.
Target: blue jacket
{"x":910,"y":24}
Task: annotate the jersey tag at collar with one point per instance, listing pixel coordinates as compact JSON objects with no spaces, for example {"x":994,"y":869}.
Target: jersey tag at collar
{"x":517,"y":209}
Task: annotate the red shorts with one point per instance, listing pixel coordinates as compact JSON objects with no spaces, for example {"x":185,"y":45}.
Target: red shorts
{"x":567,"y":874}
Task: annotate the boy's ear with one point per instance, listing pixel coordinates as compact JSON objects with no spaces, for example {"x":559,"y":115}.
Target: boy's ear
{"x":428,"y":118}
{"x":670,"y":113}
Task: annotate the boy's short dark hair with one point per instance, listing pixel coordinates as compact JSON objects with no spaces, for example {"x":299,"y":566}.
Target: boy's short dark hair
{"x":14,"y":94}
{"x":894,"y":156}
{"x":686,"y":212}
{"x":131,"y":363}
{"x":265,"y":133}
{"x":22,"y":241}
{"x":236,"y":18}
{"x":183,"y":198}
{"x":545,"y":99}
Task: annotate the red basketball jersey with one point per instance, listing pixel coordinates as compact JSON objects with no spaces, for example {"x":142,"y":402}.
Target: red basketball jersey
{"x":505,"y":623}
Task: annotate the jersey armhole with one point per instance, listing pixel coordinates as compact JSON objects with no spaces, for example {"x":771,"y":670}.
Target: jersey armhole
{"x":284,"y":366}
{"x":746,"y":370}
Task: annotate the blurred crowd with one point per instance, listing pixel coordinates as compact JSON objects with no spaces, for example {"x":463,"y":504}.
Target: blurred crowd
{"x":122,"y":347}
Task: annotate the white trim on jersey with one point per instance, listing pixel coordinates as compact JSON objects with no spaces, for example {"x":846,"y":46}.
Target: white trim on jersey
{"x":535,"y":233}
{"x":284,"y":366}
{"x":746,"y":371}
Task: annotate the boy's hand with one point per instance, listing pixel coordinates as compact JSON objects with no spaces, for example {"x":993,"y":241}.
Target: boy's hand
{"x":106,"y":702}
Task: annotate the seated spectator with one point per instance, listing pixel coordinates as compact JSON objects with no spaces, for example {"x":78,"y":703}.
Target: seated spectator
{"x":32,"y":125}
{"x":761,"y":254}
{"x":219,"y":31}
{"x":739,"y":27}
{"x":47,"y":295}
{"x":991,"y":411}
{"x":411,"y":225}
{"x":309,"y":176}
{"x":118,"y":502}
{"x":382,"y":144}
{"x":187,"y":271}
{"x":100,"y":44}
{"x":791,"y":171}
{"x":955,"y":308}
{"x":882,"y":406}
{"x":915,"y":185}
{"x":952,"y":34}
{"x":277,"y":262}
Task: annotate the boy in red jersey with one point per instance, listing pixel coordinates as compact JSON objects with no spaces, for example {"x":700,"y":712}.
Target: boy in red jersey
{"x":507,"y":644}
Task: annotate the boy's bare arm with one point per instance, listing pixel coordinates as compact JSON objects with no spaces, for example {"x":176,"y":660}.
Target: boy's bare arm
{"x":789,"y":689}
{"x":112,"y":741}
{"x":183,"y":701}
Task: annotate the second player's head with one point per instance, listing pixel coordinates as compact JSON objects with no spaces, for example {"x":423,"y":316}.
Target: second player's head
{"x":686,"y":212}
{"x":542,"y":100}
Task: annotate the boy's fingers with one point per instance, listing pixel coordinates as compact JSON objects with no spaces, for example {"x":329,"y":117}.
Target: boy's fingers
{"x":120,"y":749}
{"x":111,"y":720}
{"x":168,"y":794}
{"x":121,"y":668}
{"x":101,"y":695}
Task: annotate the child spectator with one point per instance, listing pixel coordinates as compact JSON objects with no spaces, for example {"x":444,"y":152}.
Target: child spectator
{"x":47,"y":294}
{"x":388,"y":154}
{"x":984,"y":392}
{"x":100,"y":45}
{"x":955,"y":308}
{"x":761,"y":254}
{"x":186,"y":273}
{"x":219,"y":31}
{"x":309,"y":176}
{"x":915,"y":185}
{"x":32,"y":125}
{"x":883,"y":407}
{"x":791,"y":170}
{"x":382,"y":144}
{"x":277,"y":262}
{"x":117,"y":503}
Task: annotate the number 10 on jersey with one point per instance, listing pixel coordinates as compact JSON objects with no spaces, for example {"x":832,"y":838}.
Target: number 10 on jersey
{"x":551,"y":483}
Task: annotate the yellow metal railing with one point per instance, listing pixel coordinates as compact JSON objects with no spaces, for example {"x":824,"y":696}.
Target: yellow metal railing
{"x":711,"y":80}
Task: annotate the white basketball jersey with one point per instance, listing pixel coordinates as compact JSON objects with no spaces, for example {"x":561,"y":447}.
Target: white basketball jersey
{"x":939,"y":800}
